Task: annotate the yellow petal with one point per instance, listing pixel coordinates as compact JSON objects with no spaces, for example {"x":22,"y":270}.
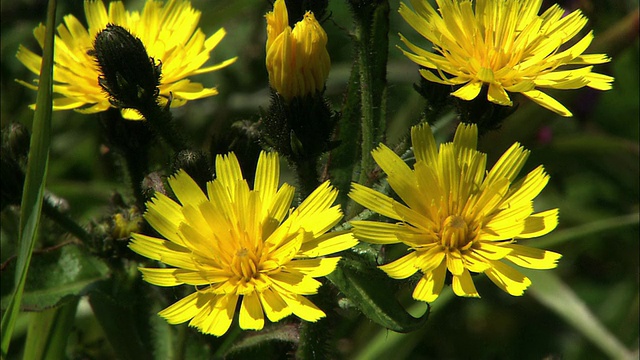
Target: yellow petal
{"x":498,"y":95}
{"x":295,"y":282}
{"x":376,"y":232}
{"x":463,"y":285}
{"x":274,"y":306}
{"x":431,"y":259}
{"x":374,"y":200}
{"x":162,"y":250}
{"x":228,"y":172}
{"x":251,"y":316}
{"x":314,"y":267}
{"x":547,"y":102}
{"x":281,"y":203}
{"x":424,"y":144}
{"x":509,"y":165}
{"x":216,"y":317}
{"x":489,"y":251}
{"x":185,"y":189}
{"x":164,"y":215}
{"x":319,"y":200}
{"x":454,"y":262}
{"x":403,"y":267}
{"x":430,"y":285}
{"x":532,"y":258}
{"x":399,"y":175}
{"x":528,"y":188}
{"x":507,"y":278}
{"x":303,"y":308}
{"x":539,"y":224}
{"x":466,"y":137}
{"x":267,"y":176}
{"x":161,"y":277}
{"x":185,"y":309}
{"x":469,"y":91}
{"x":327,"y":244}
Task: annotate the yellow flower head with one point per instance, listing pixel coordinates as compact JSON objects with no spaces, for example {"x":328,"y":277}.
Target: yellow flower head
{"x":168,"y":31}
{"x":506,"y":45}
{"x":125,"y":223}
{"x":239,"y":244}
{"x":457,"y":216}
{"x":297,"y":60}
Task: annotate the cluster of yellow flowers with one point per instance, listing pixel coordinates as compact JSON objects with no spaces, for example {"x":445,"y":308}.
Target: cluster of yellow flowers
{"x":236,"y":244}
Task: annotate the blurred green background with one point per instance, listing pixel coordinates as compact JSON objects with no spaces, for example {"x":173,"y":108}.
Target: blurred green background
{"x":593,"y":160}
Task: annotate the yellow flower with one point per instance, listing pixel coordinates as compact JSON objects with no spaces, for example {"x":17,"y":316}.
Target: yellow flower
{"x":125,"y":223}
{"x":457,"y":216}
{"x":240,"y":244}
{"x":169,"y":32}
{"x":505,"y":45}
{"x":297,"y":60}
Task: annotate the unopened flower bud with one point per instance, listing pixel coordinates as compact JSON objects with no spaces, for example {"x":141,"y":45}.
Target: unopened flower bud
{"x":297,"y":59}
{"x":196,"y":164}
{"x":128,"y":74}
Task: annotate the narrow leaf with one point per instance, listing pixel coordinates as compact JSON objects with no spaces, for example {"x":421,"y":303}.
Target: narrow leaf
{"x":35,"y":178}
{"x":553,"y":293}
{"x":49,"y":331}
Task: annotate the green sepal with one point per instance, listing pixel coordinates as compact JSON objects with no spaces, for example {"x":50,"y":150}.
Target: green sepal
{"x":367,"y":287}
{"x":54,"y":276}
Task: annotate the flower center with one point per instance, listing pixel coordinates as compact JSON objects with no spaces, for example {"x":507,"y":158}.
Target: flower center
{"x":244,"y":264}
{"x":455,"y":232}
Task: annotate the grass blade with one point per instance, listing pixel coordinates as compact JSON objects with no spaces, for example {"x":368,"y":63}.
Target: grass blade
{"x":35,"y":178}
{"x":553,"y":293}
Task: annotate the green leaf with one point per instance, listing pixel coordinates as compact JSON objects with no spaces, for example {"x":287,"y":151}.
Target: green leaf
{"x":553,"y":293}
{"x":392,"y":345}
{"x":367,"y":288}
{"x":49,"y":331}
{"x":118,"y":320}
{"x":54,"y":275}
{"x":33,"y":192}
{"x":255,"y":342}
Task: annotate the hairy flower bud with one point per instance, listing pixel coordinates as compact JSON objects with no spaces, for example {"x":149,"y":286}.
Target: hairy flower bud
{"x":297,"y":59}
{"x":128,"y":74}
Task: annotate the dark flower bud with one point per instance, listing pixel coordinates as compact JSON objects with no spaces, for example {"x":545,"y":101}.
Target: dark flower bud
{"x":438,"y":96}
{"x":128,"y":74}
{"x":300,"y":129}
{"x":196,"y":164}
{"x":242,"y":138}
{"x":487,"y":115}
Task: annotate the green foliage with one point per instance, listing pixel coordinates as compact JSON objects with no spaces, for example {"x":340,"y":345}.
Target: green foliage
{"x":55,"y":276}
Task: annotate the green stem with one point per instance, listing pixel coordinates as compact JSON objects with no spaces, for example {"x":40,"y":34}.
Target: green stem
{"x":315,"y":337}
{"x":161,"y":121}
{"x":372,"y":34}
{"x":181,"y":346}
{"x":307,"y":171}
{"x":65,"y":222}
{"x":366,"y":101}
